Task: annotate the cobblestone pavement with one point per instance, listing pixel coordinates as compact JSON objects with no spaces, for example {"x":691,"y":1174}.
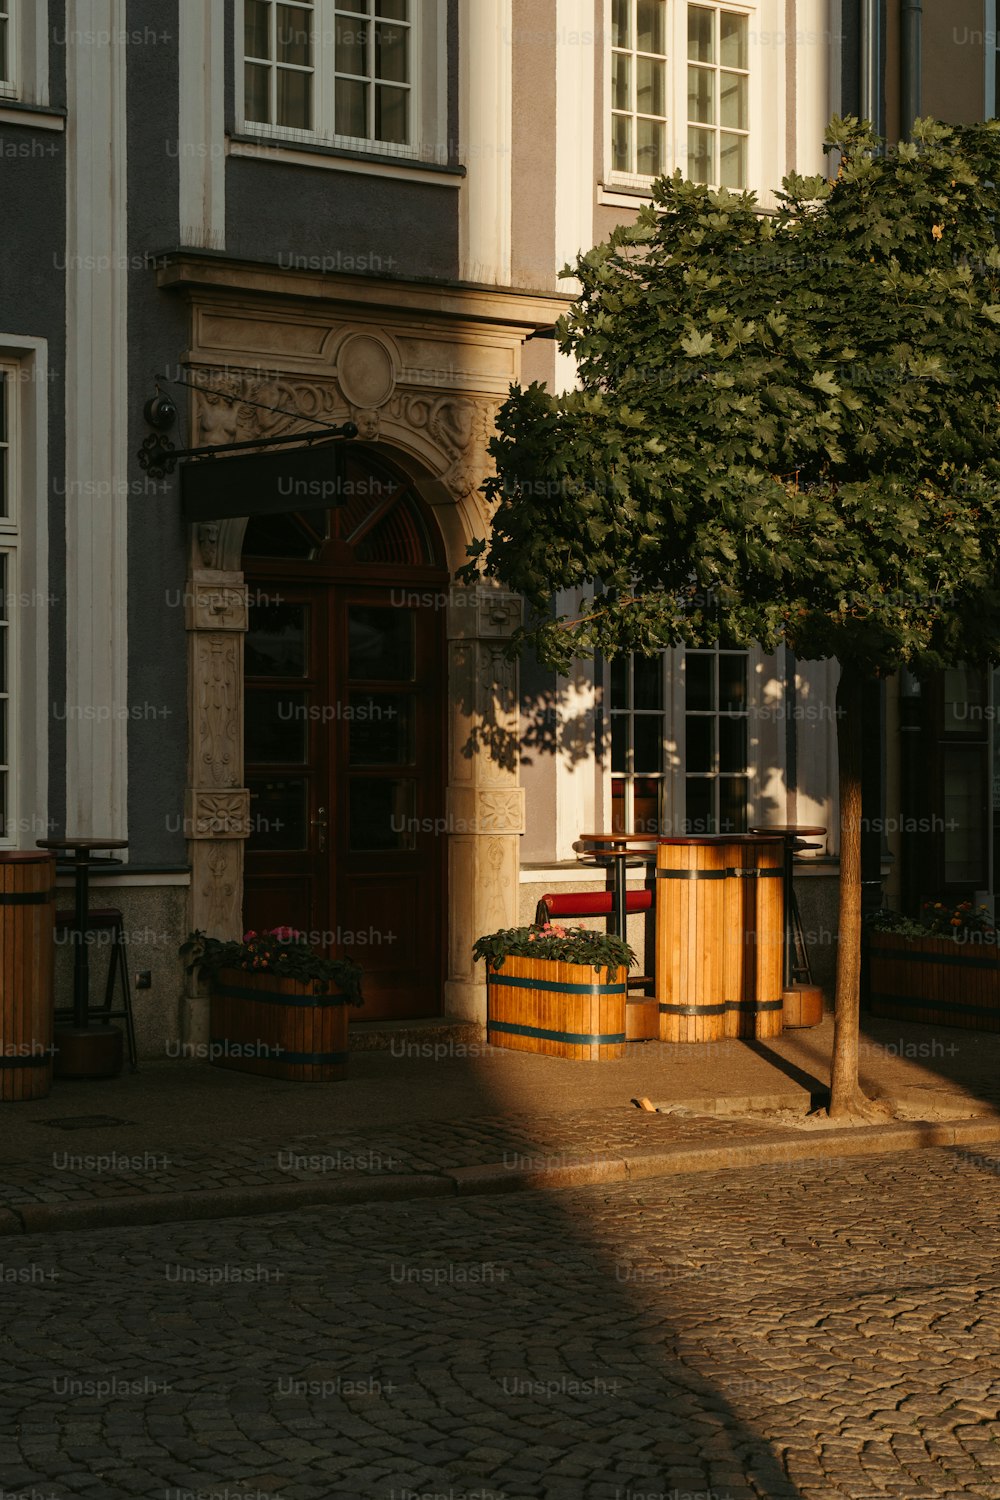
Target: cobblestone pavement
{"x":827,"y":1330}
{"x":66,"y":1173}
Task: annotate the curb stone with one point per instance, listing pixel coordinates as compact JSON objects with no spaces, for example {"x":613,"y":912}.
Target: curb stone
{"x":493,"y":1178}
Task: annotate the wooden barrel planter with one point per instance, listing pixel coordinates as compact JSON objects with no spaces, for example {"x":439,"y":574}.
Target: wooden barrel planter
{"x":557,"y":1009}
{"x":277,"y":1028}
{"x":937,"y":981}
{"x":27,"y":966}
{"x":719,"y":938}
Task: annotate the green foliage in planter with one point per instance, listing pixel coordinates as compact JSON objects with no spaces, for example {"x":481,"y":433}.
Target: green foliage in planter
{"x":962,"y":923}
{"x":281,"y":951}
{"x":568,"y":945}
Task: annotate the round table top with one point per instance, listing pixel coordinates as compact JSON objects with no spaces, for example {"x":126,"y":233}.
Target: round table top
{"x":21,"y":856}
{"x":799,"y":830}
{"x":772,"y":836}
{"x":83,"y":844}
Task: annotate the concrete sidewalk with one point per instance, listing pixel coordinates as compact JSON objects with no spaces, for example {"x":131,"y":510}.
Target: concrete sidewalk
{"x":430,"y":1111}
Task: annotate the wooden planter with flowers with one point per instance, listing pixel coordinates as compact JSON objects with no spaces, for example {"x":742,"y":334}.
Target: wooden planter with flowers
{"x":276,"y":1008}
{"x":916,"y":972}
{"x":556,"y":991}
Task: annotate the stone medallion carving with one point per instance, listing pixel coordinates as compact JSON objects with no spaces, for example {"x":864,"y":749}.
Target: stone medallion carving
{"x":366,"y":370}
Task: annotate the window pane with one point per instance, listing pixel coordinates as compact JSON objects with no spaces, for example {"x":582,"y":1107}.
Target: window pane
{"x":621,"y":23}
{"x":732,"y":682}
{"x":700,"y":747}
{"x":699,"y":814}
{"x":4,"y":69}
{"x":380,"y":813}
{"x":732,"y":744}
{"x":649,"y":148}
{"x":351,"y":114}
{"x":380,"y":644}
{"x":4,"y":450}
{"x":651,"y":96}
{"x":278,"y":814}
{"x":733,"y":101}
{"x":393,"y":10}
{"x":732,"y":160}
{"x":700,"y":155}
{"x":295,"y":100}
{"x":256,"y":100}
{"x":650,"y":17}
{"x":256,"y":31}
{"x":619,"y":682}
{"x":621,"y":81}
{"x":733,"y":791}
{"x":356,"y":7}
{"x":619,"y":742}
{"x":699,"y":680}
{"x":380,"y":729}
{"x":275,"y":728}
{"x":732,"y":40}
{"x":646,"y":806}
{"x":392,"y":45}
{"x":392,"y":115}
{"x":276,"y":641}
{"x":964,"y":817}
{"x":351,"y":47}
{"x":648,"y":748}
{"x":648,"y":681}
{"x":294,"y":35}
{"x":701,"y":96}
{"x":621,"y":143}
{"x":701,"y":29}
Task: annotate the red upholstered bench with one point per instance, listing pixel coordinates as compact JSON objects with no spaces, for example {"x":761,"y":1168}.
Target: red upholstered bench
{"x":589,"y":904}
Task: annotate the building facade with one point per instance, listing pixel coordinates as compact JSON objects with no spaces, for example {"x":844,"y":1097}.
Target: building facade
{"x":290,"y":216}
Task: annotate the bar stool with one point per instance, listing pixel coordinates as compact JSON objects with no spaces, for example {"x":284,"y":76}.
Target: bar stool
{"x":803,"y":998}
{"x":106,"y":919}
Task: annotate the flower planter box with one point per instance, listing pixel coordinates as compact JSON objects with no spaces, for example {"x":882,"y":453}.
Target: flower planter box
{"x":277,"y":1028}
{"x":935,"y":980}
{"x":557,"y":1009}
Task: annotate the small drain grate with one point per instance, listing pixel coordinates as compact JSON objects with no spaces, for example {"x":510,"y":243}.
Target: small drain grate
{"x":84,"y":1122}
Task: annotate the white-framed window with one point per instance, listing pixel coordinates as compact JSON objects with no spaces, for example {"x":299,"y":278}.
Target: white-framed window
{"x":9,"y":515}
{"x":362,"y":74}
{"x":684,"y":740}
{"x":681,"y":92}
{"x":8,"y":50}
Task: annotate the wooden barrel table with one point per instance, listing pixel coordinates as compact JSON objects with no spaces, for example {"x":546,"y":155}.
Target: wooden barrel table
{"x":719,"y":937}
{"x":27,"y":963}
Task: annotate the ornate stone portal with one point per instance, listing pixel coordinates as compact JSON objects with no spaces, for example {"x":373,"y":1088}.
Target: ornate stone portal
{"x":423,"y":372}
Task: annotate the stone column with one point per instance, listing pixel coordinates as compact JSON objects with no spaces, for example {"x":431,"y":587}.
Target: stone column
{"x":485,"y":803}
{"x":217,"y":805}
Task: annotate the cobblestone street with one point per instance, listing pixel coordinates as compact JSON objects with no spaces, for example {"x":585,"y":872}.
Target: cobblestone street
{"x":828,"y":1331}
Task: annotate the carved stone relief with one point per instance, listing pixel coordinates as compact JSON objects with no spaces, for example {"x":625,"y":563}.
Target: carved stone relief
{"x":216,"y":693}
{"x":218,"y":815}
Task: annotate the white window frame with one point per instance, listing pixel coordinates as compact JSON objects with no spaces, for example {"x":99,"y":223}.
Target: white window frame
{"x":762,"y":49}
{"x":763,"y":745}
{"x":10,"y":86}
{"x":428,"y":88}
{"x":24,"y":539}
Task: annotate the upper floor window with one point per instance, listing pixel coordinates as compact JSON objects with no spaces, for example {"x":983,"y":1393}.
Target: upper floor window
{"x":8,"y":72}
{"x":680,"y":91}
{"x":342,"y":70}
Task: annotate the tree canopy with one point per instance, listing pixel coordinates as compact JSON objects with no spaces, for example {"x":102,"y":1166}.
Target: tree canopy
{"x":785,"y":427}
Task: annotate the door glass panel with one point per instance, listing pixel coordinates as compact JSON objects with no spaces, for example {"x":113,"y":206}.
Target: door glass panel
{"x":278,"y":814}
{"x":648,"y":742}
{"x":699,"y":817}
{"x":964,"y":822}
{"x":276,"y":728}
{"x":380,"y":813}
{"x":646,"y":809}
{"x":733,"y":792}
{"x":619,"y":682}
{"x":619,"y":742}
{"x":381,"y":729}
{"x":380,"y":643}
{"x":648,"y":681}
{"x":700,"y":749}
{"x":732,"y":682}
{"x":276,"y":641}
{"x":732,"y":744}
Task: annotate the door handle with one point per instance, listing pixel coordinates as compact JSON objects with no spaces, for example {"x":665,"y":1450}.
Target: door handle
{"x":322,"y":825}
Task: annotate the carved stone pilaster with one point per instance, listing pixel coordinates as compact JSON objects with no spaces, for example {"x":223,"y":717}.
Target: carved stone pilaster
{"x":217,"y":805}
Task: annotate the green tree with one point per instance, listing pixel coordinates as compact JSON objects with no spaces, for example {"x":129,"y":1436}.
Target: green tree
{"x":785,"y":430}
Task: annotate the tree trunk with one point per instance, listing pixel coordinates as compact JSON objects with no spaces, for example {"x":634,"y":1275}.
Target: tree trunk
{"x":846,"y":1097}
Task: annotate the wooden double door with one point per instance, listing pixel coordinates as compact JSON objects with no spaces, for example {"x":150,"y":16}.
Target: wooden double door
{"x":344,"y":756}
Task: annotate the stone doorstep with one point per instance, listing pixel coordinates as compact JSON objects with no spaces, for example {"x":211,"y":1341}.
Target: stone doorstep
{"x":379,"y":1036}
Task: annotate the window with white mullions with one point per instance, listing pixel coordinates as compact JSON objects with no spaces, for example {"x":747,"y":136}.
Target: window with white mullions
{"x":639,"y":87}
{"x":716,"y":741}
{"x":373,"y":70}
{"x":278,"y":47}
{"x":718,"y":96}
{"x":681,"y":748}
{"x":7,"y":70}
